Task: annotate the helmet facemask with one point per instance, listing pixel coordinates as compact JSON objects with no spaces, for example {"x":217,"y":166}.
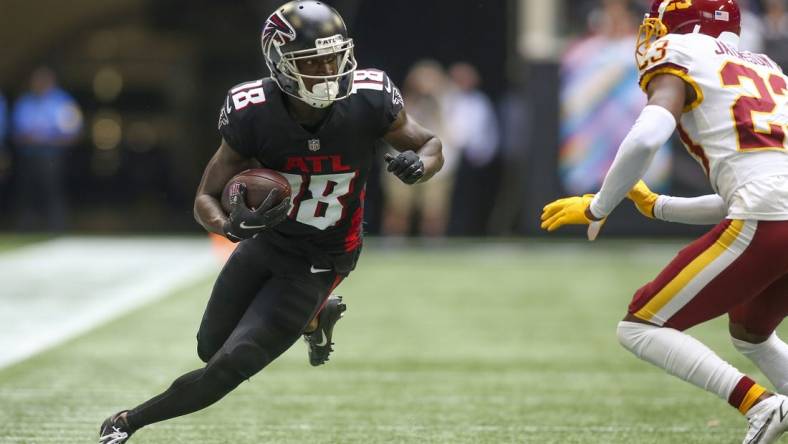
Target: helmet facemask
{"x":327,"y":88}
{"x":651,"y":30}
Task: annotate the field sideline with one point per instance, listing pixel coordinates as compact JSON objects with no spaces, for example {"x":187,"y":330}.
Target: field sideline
{"x":463,"y":344}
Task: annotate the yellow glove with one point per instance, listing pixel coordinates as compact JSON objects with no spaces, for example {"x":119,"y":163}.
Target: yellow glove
{"x":643,"y":198}
{"x":570,"y":211}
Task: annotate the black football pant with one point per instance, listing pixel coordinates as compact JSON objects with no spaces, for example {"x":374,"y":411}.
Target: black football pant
{"x":260,"y":304}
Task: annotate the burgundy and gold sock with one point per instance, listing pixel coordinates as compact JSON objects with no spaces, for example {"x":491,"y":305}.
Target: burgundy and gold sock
{"x":745,"y":394}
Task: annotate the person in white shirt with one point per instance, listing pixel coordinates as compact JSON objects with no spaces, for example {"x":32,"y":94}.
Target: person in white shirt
{"x":472,"y":129}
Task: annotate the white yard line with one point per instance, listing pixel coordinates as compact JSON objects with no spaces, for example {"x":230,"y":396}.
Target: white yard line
{"x":53,"y":291}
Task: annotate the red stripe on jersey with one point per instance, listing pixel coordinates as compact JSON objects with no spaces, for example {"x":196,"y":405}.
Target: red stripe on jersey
{"x":353,"y":238}
{"x":336,"y":283}
{"x":694,"y":149}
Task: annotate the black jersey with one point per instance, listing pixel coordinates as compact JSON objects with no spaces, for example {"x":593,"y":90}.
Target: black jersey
{"x":327,"y":169}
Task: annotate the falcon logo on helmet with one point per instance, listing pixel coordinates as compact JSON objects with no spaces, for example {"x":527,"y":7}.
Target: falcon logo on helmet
{"x":278,"y":30}
{"x":309,"y":32}
{"x":710,"y":17}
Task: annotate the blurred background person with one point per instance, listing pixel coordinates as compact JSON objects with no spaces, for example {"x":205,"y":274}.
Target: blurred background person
{"x":516,"y":128}
{"x":5,"y":157}
{"x":776,"y":31}
{"x":426,"y":205}
{"x":3,"y":121}
{"x":46,"y":121}
{"x":472,"y":129}
{"x":600,"y":100}
{"x":752,"y":37}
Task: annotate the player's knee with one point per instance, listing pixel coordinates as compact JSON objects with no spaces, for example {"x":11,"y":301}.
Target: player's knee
{"x":206,"y":347}
{"x":741,"y":334}
{"x":623,"y":334}
{"x":204,"y":352}
{"x":232,"y":367}
{"x":633,"y":335}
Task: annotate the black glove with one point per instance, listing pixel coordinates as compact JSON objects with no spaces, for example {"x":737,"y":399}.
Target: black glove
{"x":245,"y":223}
{"x":407,"y":166}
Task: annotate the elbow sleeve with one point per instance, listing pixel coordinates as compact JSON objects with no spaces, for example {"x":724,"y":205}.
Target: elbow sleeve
{"x":652,"y":129}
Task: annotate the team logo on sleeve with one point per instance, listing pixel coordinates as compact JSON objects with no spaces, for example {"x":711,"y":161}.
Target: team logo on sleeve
{"x":396,"y":97}
{"x":278,"y":29}
{"x":224,"y":119}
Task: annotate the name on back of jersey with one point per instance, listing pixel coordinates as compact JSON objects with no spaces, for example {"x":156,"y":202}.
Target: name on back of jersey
{"x":756,"y":59}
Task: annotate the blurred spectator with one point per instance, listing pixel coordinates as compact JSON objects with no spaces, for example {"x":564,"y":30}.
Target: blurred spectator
{"x":424,"y":92}
{"x":3,"y":120}
{"x":472,"y":128}
{"x":612,"y":19}
{"x":516,"y":129}
{"x":600,"y":101}
{"x":4,"y":158}
{"x":752,"y":38}
{"x":776,"y":31}
{"x":45,"y":122}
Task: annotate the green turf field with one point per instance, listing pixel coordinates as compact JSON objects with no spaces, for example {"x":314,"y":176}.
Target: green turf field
{"x":507,"y":344}
{"x":8,"y":242}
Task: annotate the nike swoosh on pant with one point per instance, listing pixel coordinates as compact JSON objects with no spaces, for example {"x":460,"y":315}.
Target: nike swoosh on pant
{"x":251,"y":227}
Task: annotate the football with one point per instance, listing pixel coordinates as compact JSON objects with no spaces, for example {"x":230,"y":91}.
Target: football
{"x":259,"y":182}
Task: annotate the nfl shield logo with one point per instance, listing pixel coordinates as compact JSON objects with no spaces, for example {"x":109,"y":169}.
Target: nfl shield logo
{"x":314,"y":144}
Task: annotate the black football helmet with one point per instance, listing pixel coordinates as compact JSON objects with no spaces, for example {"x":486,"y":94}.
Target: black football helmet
{"x":304,"y":29}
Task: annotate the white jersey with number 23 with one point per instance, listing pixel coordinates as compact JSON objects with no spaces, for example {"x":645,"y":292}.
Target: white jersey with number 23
{"x":736,"y":125}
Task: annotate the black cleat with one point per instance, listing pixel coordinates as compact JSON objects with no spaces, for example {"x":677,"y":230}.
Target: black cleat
{"x":115,"y":430}
{"x":320,"y":340}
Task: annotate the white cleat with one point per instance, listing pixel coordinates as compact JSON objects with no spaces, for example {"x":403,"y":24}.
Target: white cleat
{"x":768,"y":420}
{"x":114,"y":436}
{"x":115,"y":430}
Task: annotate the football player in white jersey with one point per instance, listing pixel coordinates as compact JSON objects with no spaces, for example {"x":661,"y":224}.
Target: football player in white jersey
{"x":730,"y":108}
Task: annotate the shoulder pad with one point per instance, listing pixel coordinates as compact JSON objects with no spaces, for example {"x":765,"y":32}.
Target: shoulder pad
{"x":244,"y":95}
{"x":672,"y":54}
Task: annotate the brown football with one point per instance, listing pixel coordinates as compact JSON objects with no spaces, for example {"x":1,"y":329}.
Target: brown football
{"x":259,"y":182}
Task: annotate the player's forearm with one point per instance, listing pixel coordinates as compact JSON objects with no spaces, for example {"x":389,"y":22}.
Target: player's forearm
{"x":652,"y":129}
{"x":208,"y":213}
{"x":224,"y":164}
{"x":431,"y":154}
{"x":702,"y":210}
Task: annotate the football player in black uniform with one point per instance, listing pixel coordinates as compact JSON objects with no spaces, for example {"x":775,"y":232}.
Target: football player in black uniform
{"x":316,"y":120}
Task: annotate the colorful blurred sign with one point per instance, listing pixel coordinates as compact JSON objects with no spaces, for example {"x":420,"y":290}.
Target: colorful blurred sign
{"x":600,"y":100}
